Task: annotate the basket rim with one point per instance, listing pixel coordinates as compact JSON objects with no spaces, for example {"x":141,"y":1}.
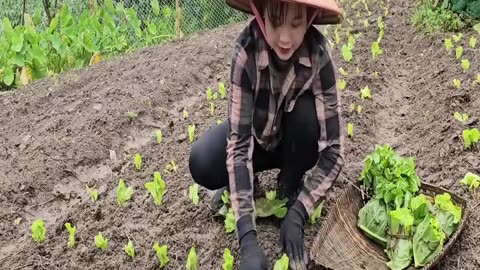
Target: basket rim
{"x":424,"y":188}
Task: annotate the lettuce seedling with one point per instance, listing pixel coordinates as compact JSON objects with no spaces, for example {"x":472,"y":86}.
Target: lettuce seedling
{"x":473,"y":42}
{"x":457,"y":83}
{"x":457,"y":37}
{"x":221,"y":90}
{"x":365,"y":93}
{"x":282,"y":263}
{"x":219,"y":122}
{"x":449,"y":215}
{"x":171,"y":167}
{"x":138,"y":161}
{"x":427,"y":241}
{"x":227,"y":260}
{"x":192,"y":259}
{"x":448,"y":44}
{"x":470,"y":137}
{"x":132,"y":115}
{"x":123,"y":193}
{"x":230,"y":225}
{"x":465,"y":64}
{"x":271,"y":205}
{"x":459,"y":52}
{"x":212,"y":108}
{"x":193,"y":194}
{"x":350,"y":130}
{"x":347,"y":52}
{"x":71,"y":230}
{"x":471,"y":180}
{"x":476,"y":27}
{"x":130,"y":249}
{"x":359,"y":109}
{"x":191,"y":132}
{"x":158,"y":136}
{"x":101,"y":242}
{"x":357,"y":70}
{"x":343,"y":72}
{"x":209,"y":93}
{"x":185,"y":114}
{"x":352,"y":107}
{"x":342,"y":84}
{"x":317,"y":214}
{"x":162,"y":254}
{"x":38,"y":231}
{"x":156,"y":188}
{"x":462,"y":117}
{"x":215,"y":96}
{"x":376,"y":50}
{"x":93,"y":193}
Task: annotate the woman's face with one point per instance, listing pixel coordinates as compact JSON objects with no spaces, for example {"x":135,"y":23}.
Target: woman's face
{"x":285,"y":26}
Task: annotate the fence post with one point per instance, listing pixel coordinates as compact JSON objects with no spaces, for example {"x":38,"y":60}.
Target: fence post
{"x":178,"y":18}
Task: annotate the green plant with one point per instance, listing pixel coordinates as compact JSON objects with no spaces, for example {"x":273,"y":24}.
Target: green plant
{"x":365,"y":93}
{"x":471,"y":180}
{"x":130,"y":249}
{"x":472,"y":42}
{"x":230,"y":225}
{"x":162,"y":254}
{"x":93,"y":193}
{"x":448,"y":44}
{"x":159,"y":136}
{"x":282,"y":263}
{"x":209,"y":93}
{"x":101,"y":242}
{"x":192,"y":259}
{"x":123,"y":193}
{"x":462,"y":117}
{"x":465,"y":64}
{"x":457,"y":83}
{"x":71,"y":230}
{"x":138,"y":161}
{"x":212,"y":108}
{"x":156,"y":188}
{"x":171,"y":167}
{"x":317,"y":213}
{"x":38,"y":231}
{"x":271,"y":205}
{"x":342,"y":84}
{"x":227,"y":260}
{"x":459,"y":52}
{"x":185,"y":114}
{"x":193,"y":193}
{"x":430,"y":18}
{"x":350,"y":130}
{"x":221,"y":90}
{"x":470,"y":137}
{"x":191,"y":132}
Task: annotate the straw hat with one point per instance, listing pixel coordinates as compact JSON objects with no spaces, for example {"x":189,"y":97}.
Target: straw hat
{"x":329,"y":11}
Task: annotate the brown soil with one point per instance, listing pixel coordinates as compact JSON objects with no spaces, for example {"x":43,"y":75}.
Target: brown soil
{"x":59,"y":135}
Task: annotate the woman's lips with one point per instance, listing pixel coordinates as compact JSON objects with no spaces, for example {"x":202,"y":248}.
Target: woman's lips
{"x":283,"y":50}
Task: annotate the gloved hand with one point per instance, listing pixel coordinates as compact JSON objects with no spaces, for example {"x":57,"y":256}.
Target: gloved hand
{"x":291,"y":236}
{"x":252,"y":256}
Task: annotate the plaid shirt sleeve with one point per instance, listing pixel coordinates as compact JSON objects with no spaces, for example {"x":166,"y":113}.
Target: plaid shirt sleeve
{"x":240,"y":142}
{"x":330,"y":144}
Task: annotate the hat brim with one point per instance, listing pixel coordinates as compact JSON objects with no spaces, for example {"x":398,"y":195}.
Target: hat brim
{"x":330,"y":11}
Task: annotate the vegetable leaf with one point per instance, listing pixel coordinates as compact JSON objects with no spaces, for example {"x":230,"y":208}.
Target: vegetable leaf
{"x":130,"y":249}
{"x":444,"y":202}
{"x":473,"y":42}
{"x":138,"y":161}
{"x":462,"y":117}
{"x":101,"y":242}
{"x":192,"y":259}
{"x":162,"y":254}
{"x":71,"y":230}
{"x":193,"y":194}
{"x":156,"y":188}
{"x":427,"y":241}
{"x":399,"y":247}
{"x":221,"y":90}
{"x":230,"y":225}
{"x":282,"y":263}
{"x":342,"y":84}
{"x":191,"y":132}
{"x":448,"y":44}
{"x":227,"y":260}
{"x":471,"y":180}
{"x":350,"y":130}
{"x":420,"y":208}
{"x":465,"y":64}
{"x":38,"y":231}
{"x":373,"y":220}
{"x":459,"y":52}
{"x":271,"y":205}
{"x":159,"y":136}
{"x":317,"y":213}
{"x":93,"y":193}
{"x":123,"y":193}
{"x":365,"y":93}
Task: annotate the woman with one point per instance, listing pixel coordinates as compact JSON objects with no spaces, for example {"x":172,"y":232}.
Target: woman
{"x":283,"y":112}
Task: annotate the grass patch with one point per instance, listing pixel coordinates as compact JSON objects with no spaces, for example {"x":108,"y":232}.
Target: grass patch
{"x":431,"y":18}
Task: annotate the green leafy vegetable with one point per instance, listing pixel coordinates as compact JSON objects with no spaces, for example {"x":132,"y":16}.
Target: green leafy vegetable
{"x":230,"y":225}
{"x":457,"y":37}
{"x":462,"y":117}
{"x":221,"y":90}
{"x":448,"y":214}
{"x":212,"y":108}
{"x":158,"y":136}
{"x":156,"y":188}
{"x":448,"y":44}
{"x":427,"y":241}
{"x":347,"y":52}
{"x":465,"y":64}
{"x":282,"y":263}
{"x":342,"y":84}
{"x":71,"y":230}
{"x":365,"y":93}
{"x":192,"y":259}
{"x":101,"y":242}
{"x":350,"y":130}
{"x":271,"y":205}
{"x":373,"y":220}
{"x":459,"y":52}
{"x":457,"y":83}
{"x":123,"y":193}
{"x":470,"y":137}
{"x":130,"y":249}
{"x":227,"y":260}
{"x":399,"y":246}
{"x":193,"y":193}
{"x":191,"y":132}
{"x":162,"y":254}
{"x":185,"y":114}
{"x":420,"y":208}
{"x":317,"y":213}
{"x":471,"y":180}
{"x":38,"y":231}
{"x":473,"y":42}
{"x":93,"y":193}
{"x":376,"y":50}
{"x":209,"y":93}
{"x":138,"y":161}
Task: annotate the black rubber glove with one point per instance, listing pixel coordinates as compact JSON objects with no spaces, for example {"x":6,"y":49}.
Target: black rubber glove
{"x":252,"y":256}
{"x":291,"y":236}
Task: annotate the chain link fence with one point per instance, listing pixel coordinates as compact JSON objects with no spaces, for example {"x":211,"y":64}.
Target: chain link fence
{"x":181,"y":17}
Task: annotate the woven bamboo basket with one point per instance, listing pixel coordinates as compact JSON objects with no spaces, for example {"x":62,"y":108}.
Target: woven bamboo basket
{"x":340,"y":244}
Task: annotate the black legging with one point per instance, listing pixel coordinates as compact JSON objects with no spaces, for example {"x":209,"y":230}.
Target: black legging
{"x":297,"y":152}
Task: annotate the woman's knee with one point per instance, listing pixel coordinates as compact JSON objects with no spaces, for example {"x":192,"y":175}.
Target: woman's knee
{"x":207,"y":159}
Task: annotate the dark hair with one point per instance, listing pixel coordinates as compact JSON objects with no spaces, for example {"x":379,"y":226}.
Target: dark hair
{"x":276,"y":10}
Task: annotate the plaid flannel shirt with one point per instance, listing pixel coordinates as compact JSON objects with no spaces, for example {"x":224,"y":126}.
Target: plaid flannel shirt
{"x":256,"y":104}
